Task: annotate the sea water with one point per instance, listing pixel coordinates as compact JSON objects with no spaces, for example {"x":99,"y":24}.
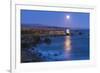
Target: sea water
{"x":63,"y":48}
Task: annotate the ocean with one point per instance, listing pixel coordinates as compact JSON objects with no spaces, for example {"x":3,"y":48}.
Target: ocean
{"x":61,"y":48}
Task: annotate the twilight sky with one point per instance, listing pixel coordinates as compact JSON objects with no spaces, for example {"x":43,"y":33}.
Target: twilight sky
{"x":58,"y":19}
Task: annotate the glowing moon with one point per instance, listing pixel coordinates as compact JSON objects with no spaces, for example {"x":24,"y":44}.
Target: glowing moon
{"x":67,"y":16}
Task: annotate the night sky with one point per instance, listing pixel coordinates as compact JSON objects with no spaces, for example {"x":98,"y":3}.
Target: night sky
{"x":49,"y":18}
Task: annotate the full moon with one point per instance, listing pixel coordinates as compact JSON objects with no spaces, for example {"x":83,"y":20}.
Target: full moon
{"x":67,"y":16}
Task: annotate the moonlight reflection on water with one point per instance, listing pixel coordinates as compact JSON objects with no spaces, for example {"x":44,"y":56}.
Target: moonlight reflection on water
{"x":67,"y":43}
{"x":67,"y":46}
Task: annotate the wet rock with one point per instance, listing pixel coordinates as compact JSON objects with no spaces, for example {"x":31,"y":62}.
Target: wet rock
{"x":47,"y":41}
